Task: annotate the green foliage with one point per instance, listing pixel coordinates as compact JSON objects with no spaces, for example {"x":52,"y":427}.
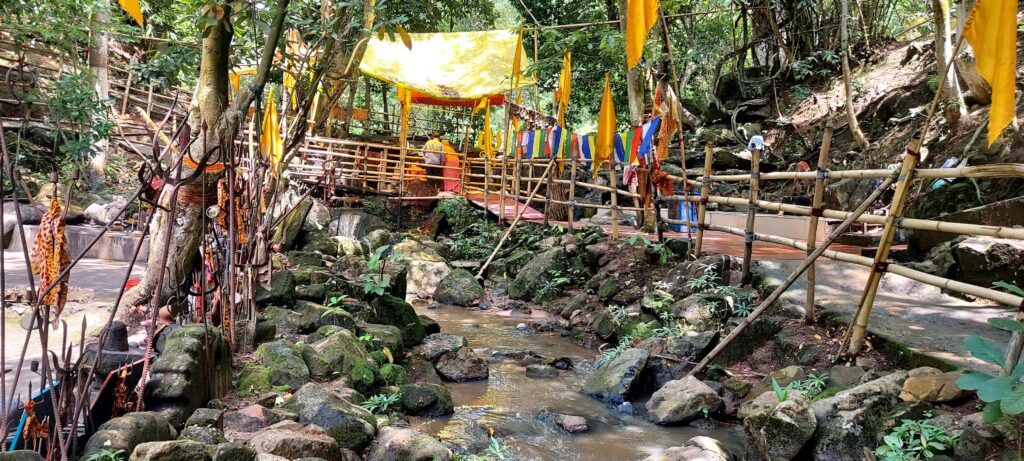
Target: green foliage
{"x":915,"y":440}
{"x":624,"y":343}
{"x":739,"y":302}
{"x":782,"y":393}
{"x":74,"y":102}
{"x":373,"y":282}
{"x":657,"y":249}
{"x":337,"y":301}
{"x":618,"y":313}
{"x":380,"y":403}
{"x":497,"y":450}
{"x":812,"y":385}
{"x":818,"y":64}
{"x":1003,"y":395}
{"x":105,"y":455}
{"x":366,"y":339}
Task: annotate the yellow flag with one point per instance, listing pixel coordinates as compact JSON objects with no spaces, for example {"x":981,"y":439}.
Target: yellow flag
{"x":992,"y":31}
{"x":294,"y":48}
{"x":270,"y":141}
{"x":605,"y":128}
{"x":133,"y":9}
{"x":564,"y":87}
{"x":640,"y":18}
{"x":488,"y":141}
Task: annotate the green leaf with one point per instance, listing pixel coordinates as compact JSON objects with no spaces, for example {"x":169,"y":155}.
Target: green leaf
{"x":1007,"y":324}
{"x":995,"y":389}
{"x":991,"y":413}
{"x":985,"y":350}
{"x":1018,"y":372}
{"x":1010,"y":287}
{"x":1013,"y":403}
{"x":972,"y":381}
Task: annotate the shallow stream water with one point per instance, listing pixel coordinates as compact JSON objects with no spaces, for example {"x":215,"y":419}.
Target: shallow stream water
{"x":509,"y":401}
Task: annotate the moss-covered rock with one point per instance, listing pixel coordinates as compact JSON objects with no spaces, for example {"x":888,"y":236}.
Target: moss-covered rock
{"x":780,"y":429}
{"x":289,"y":229}
{"x":615,"y":381}
{"x":284,"y":361}
{"x":194,"y":368}
{"x":382,"y":336}
{"x":532,"y":276}
{"x":281,"y":291}
{"x":173,"y":450}
{"x":128,"y":431}
{"x":391,"y":310}
{"x":344,"y":354}
{"x":392,"y":375}
{"x":426,"y":399}
{"x":459,"y":288}
{"x":253,"y":379}
{"x":231,"y":451}
{"x":315,"y":292}
{"x":349,"y":424}
{"x":395,"y":444}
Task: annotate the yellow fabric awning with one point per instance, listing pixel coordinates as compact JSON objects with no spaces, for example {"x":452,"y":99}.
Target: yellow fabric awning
{"x":455,"y":66}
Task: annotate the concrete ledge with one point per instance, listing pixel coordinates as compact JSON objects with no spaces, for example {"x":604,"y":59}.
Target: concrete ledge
{"x":789,"y":226}
{"x":113,"y":246}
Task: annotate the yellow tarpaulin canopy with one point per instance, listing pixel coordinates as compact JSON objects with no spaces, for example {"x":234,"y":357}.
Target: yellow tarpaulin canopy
{"x":455,"y":66}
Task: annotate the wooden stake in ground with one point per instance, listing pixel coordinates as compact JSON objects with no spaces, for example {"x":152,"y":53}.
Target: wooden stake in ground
{"x":748,"y":242}
{"x":761,"y":308}
{"x":812,"y":227}
{"x":705,"y":192}
{"x":519,"y":215}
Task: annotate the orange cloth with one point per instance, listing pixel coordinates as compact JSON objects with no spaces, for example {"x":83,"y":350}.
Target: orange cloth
{"x":452,"y":172}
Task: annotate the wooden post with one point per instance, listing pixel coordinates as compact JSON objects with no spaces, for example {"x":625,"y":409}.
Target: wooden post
{"x":572,"y":195}
{"x":547,"y":191}
{"x":705,"y":192}
{"x":487,"y":181}
{"x":899,"y":200}
{"x":127,"y":90}
{"x":516,"y":183}
{"x":504,"y":167}
{"x":748,"y":239}
{"x":149,"y":101}
{"x":508,"y":231}
{"x":792,"y":277}
{"x":812,"y":226}
{"x":615,"y":198}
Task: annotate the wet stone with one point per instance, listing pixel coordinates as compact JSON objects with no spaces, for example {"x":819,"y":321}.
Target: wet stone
{"x":541,"y":371}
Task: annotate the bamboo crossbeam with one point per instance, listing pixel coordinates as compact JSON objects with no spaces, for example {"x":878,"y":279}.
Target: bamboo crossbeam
{"x":1000,"y":170}
{"x":774,"y":296}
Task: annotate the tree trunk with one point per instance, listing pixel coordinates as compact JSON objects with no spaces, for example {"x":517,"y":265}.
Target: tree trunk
{"x":966,"y":64}
{"x":851,"y":113}
{"x":953,"y":100}
{"x":99,"y":57}
{"x":634,"y":84}
{"x":181,"y":244}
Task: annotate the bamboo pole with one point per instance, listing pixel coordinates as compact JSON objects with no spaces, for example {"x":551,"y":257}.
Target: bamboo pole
{"x":508,"y":231}
{"x":615,"y":198}
{"x":487,"y":182}
{"x":572,"y":195}
{"x":812,"y":227}
{"x":547,"y":192}
{"x":748,"y":240}
{"x":517,"y":183}
{"x":859,"y":326}
{"x":705,"y":193}
{"x":774,"y":296}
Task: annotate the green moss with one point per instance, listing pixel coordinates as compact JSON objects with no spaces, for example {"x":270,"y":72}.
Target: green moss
{"x":392,"y":375}
{"x":826,"y":394}
{"x":253,"y":379}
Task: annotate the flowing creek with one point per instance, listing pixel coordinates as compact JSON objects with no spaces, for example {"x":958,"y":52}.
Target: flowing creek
{"x":509,"y":401}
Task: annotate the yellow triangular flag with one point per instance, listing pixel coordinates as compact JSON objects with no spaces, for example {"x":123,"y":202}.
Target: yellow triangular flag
{"x":270,"y":140}
{"x":992,"y":31}
{"x":564,"y":87}
{"x":640,"y":18}
{"x":133,"y":9}
{"x":605,"y":128}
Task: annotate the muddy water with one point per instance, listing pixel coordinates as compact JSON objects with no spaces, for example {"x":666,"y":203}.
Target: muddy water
{"x":509,"y":401}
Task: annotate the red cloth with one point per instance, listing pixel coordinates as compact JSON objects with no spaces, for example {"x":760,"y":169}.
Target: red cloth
{"x":417,"y":98}
{"x":452,"y":172}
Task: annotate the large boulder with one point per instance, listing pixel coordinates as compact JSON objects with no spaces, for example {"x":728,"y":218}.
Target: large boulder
{"x":682,"y":400}
{"x":394,"y":311}
{"x":105,"y":213}
{"x":280,"y":292}
{"x":782,"y":376}
{"x":382,"y":336}
{"x":394,"y":444}
{"x":933,"y":388}
{"x":779,"y":429}
{"x":230,"y":451}
{"x":343,"y":353}
{"x":986,"y":260}
{"x":532,"y":276}
{"x":459,"y":288}
{"x":124,"y":433}
{"x":194,"y":368}
{"x":172,"y":450}
{"x":698,"y":448}
{"x":349,"y":424}
{"x":437,"y":344}
{"x":614,"y":382}
{"x":702,"y":310}
{"x":462,"y":365}
{"x":426,"y":266}
{"x":854,"y":418}
{"x":250,"y":419}
{"x":670,"y":355}
{"x":426,"y":399}
{"x":713,"y":268}
{"x":284,"y":363}
{"x":287,"y":232}
{"x":291,"y":440}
